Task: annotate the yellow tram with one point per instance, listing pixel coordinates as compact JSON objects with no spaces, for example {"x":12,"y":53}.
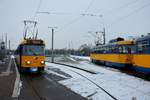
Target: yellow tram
{"x":134,"y":54}
{"x":140,"y":61}
{"x":116,"y":54}
{"x":30,"y":55}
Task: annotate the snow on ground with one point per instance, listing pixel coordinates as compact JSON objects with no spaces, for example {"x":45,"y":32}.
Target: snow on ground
{"x":120,"y":85}
{"x":81,"y":57}
{"x":64,"y":69}
{"x":82,"y":89}
{"x":88,"y":66}
{"x":85,"y":88}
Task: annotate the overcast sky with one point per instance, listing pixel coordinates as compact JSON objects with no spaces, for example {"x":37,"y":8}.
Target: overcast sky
{"x":120,"y":18}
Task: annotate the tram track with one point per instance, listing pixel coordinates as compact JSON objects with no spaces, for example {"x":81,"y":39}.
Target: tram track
{"x":128,"y":71}
{"x":42,"y":87}
{"x":34,"y":89}
{"x":91,"y":72}
{"x":136,"y":74}
{"x":70,"y":66}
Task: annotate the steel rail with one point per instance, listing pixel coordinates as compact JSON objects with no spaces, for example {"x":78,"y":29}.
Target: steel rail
{"x":91,"y":72}
{"x":34,"y":90}
{"x":88,"y":79}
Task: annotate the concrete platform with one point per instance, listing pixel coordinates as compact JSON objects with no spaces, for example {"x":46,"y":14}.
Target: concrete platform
{"x":7,"y":79}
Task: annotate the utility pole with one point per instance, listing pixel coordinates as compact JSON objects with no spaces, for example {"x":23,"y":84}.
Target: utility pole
{"x":6,"y":41}
{"x":104,"y":36}
{"x":52,"y":43}
{"x":6,"y":45}
{"x":9,"y":48}
{"x":2,"y":38}
{"x":9,"y":45}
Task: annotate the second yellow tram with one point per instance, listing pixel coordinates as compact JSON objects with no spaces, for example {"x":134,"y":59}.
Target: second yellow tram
{"x":117,"y":54}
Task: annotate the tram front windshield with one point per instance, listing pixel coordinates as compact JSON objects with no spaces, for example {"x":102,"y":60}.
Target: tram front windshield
{"x":36,"y":50}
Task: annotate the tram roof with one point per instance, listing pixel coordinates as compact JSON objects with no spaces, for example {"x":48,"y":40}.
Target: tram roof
{"x":32,"y":41}
{"x":125,"y":42}
{"x":147,"y":37}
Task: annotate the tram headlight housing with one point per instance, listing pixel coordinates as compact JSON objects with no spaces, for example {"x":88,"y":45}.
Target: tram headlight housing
{"x":42,"y":62}
{"x":28,"y":62}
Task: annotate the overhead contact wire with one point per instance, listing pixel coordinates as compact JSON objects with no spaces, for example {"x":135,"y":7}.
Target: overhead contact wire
{"x":77,"y":18}
{"x":38,"y":7}
{"x":133,"y":12}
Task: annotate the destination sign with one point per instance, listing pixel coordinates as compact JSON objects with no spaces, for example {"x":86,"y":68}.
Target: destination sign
{"x":35,"y":41}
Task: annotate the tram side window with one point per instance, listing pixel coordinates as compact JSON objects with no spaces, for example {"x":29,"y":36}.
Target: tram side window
{"x":103,"y":50}
{"x":110,"y":49}
{"x":17,"y":51}
{"x":133,"y":49}
{"x":130,"y":49}
{"x":97,"y":50}
{"x":143,"y":47}
{"x":126,"y":49}
{"x":91,"y":51}
{"x":113,"y":49}
{"x":106,"y":49}
{"x":100,"y":50}
{"x":120,"y":49}
{"x":94,"y":50}
{"x":116,"y":50}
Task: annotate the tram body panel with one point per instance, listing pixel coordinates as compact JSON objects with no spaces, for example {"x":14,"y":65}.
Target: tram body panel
{"x":117,"y":58}
{"x":32,"y":61}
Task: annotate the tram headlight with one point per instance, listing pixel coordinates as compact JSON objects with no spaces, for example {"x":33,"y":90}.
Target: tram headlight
{"x":42,"y":62}
{"x":28,"y":62}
